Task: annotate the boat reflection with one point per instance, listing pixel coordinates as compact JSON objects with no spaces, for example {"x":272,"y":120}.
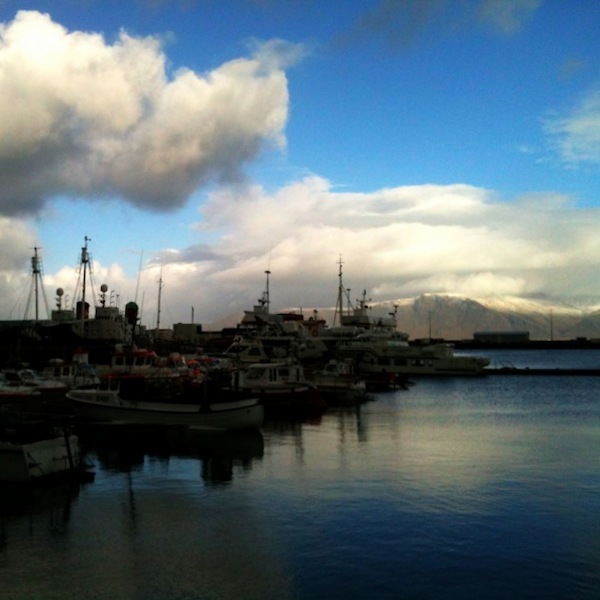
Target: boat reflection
{"x":125,"y":449}
{"x":18,"y":498}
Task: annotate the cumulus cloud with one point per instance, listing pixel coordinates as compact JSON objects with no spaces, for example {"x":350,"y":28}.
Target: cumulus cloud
{"x":80,"y":116}
{"x":576,"y":136}
{"x":396,"y":242}
{"x":17,"y":242}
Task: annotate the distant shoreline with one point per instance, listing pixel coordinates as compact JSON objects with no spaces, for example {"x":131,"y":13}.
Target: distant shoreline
{"x":577,"y":344}
{"x":525,"y":371}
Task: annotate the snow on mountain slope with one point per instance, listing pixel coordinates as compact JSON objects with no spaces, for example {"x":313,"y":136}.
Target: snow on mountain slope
{"x":455,"y":317}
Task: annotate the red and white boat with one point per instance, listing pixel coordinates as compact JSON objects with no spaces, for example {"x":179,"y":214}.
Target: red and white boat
{"x":282,"y":387}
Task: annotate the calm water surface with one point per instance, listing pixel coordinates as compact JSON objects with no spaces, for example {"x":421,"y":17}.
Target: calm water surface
{"x":457,"y":488}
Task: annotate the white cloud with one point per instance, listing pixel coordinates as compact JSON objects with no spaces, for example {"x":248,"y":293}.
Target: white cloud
{"x":507,"y":16}
{"x":576,"y":136}
{"x":17,"y":242}
{"x":396,"y":243}
{"x":81,"y":116}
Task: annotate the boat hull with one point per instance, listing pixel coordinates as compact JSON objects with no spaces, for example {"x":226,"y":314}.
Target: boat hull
{"x":39,"y":459}
{"x":436,"y":369}
{"x":217,"y":416}
{"x":292,"y":398}
{"x":340,"y":390}
{"x":380,"y":360}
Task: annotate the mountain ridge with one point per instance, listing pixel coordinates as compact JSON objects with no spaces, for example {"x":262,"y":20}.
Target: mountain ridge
{"x":458,"y":317}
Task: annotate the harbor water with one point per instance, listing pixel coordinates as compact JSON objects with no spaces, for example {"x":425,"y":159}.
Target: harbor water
{"x":456,"y":488}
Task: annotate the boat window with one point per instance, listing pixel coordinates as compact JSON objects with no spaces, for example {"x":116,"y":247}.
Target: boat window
{"x":255,"y":373}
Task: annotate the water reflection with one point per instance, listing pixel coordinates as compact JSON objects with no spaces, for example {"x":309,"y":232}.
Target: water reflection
{"x":453,"y":489}
{"x":128,"y":449}
{"x":48,"y":504}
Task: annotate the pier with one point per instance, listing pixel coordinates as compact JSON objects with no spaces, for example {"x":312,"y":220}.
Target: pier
{"x":541,"y":371}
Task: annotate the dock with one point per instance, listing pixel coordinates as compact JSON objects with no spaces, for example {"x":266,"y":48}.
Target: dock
{"x":541,"y":371}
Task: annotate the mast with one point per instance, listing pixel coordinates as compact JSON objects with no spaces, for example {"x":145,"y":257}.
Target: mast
{"x":84,"y":270}
{"x":35,"y":270}
{"x":160,"y":286}
{"x":266,"y":298}
{"x":36,"y":283}
{"x":339,"y":306}
{"x":85,"y":261}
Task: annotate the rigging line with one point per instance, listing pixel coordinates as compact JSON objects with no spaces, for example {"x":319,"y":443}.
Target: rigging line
{"x":137,"y":285}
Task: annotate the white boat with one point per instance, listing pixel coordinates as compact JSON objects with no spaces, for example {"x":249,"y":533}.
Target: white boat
{"x":379,"y":357}
{"x":141,"y":400}
{"x":72,"y":374}
{"x":12,"y":392}
{"x":37,"y":381}
{"x":281,"y":386}
{"x":339,"y":382}
{"x":26,"y":454}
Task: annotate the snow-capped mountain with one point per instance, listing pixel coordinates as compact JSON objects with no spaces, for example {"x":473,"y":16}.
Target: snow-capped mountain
{"x":458,"y":317}
{"x":454,"y":317}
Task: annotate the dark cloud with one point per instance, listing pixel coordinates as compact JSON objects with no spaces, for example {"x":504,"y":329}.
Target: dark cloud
{"x":398,"y":24}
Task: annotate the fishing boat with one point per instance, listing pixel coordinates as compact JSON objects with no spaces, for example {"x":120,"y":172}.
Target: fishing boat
{"x":165,"y":400}
{"x":30,"y":378}
{"x":339,"y":383}
{"x":281,"y":387}
{"x":381,"y":357}
{"x":75,"y":374}
{"x":11,"y":392}
{"x":33,"y":450}
{"x":141,"y":361}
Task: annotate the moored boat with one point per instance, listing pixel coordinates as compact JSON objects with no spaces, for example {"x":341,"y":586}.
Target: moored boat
{"x":34,"y":450}
{"x":11,"y":392}
{"x":33,"y":379}
{"x":140,"y":400}
{"x":282,"y":387}
{"x":339,"y":383}
{"x":76,"y":374}
{"x":379,"y":356}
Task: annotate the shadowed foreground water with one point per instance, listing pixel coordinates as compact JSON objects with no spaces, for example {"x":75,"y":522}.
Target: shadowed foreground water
{"x":476,"y":488}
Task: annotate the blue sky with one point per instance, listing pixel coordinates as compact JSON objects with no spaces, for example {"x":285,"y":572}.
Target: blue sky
{"x":437,"y":146}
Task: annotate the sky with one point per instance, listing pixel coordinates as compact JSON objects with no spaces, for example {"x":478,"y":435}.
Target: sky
{"x":431,"y":146}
